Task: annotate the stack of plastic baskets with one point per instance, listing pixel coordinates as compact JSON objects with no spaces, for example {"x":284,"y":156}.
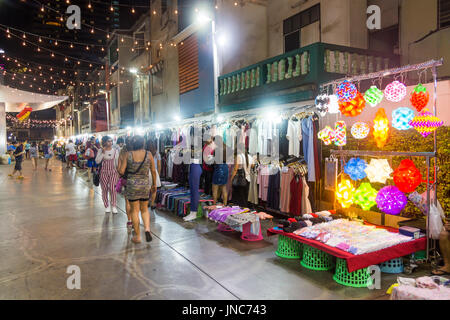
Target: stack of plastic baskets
{"x":316,"y":259}
{"x":288,"y":248}
{"x":392,"y":266}
{"x":357,"y":279}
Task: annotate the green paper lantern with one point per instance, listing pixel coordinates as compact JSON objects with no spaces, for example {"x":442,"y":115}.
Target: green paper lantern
{"x":373,"y":96}
{"x":365,"y":196}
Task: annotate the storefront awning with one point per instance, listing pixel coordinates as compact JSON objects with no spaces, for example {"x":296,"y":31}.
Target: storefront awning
{"x":15,"y":100}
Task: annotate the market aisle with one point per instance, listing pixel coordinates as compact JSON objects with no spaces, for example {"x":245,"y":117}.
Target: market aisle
{"x":54,"y":219}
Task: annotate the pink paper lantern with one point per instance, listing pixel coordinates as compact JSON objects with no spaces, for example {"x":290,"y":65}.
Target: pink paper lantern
{"x":395,"y":91}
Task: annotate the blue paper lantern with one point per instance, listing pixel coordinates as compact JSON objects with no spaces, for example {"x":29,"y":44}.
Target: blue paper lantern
{"x":355,"y":169}
{"x":401,"y":118}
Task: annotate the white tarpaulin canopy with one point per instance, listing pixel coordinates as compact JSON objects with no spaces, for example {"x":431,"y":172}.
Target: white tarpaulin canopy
{"x":15,"y":100}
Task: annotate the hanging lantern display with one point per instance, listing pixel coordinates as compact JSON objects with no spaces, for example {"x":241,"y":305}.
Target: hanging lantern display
{"x":344,"y":193}
{"x":379,"y":171}
{"x":395,"y":91}
{"x":355,"y":169}
{"x":420,"y":97}
{"x":333,"y":104}
{"x":360,"y":130}
{"x":365,"y":196}
{"x":346,"y":91}
{"x":326,"y":135}
{"x":380,"y":128}
{"x":426,"y":123}
{"x":24,"y":114}
{"x":390,"y":200}
{"x":322,"y":102}
{"x":373,"y":96}
{"x":407,"y":177}
{"x":401,"y":118}
{"x":340,"y":134}
{"x":354,"y":107}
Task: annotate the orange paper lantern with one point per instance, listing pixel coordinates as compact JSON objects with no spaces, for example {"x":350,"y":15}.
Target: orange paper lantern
{"x":353,"y":108}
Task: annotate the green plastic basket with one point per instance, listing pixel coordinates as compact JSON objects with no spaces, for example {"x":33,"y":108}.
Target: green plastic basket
{"x":288,"y":248}
{"x":356,"y":279}
{"x":316,"y":259}
{"x":420,"y":255}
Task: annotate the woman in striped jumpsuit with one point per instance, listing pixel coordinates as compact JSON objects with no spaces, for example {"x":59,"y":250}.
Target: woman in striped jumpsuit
{"x":109,"y":158}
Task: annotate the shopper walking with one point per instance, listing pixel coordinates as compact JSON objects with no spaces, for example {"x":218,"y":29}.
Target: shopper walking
{"x":108,"y":159}
{"x":138,"y":165}
{"x":34,"y":155}
{"x":71,"y":154}
{"x":89,"y":155}
{"x":157,"y":159}
{"x":18,"y":155}
{"x":27,"y":150}
{"x":48,"y":154}
{"x":122,"y":163}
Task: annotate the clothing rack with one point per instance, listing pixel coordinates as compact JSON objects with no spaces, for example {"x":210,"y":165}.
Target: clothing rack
{"x":432,"y":64}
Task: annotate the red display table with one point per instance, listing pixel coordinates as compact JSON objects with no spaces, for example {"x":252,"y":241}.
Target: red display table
{"x":356,"y":262}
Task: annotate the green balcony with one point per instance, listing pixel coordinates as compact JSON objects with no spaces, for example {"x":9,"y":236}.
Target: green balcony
{"x":296,"y":75}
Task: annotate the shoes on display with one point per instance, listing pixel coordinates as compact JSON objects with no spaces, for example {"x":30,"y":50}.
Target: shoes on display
{"x":192,"y":216}
{"x":108,"y":210}
{"x":114,"y":210}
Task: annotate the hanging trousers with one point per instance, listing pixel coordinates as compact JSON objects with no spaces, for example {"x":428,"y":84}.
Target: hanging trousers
{"x":195,"y":172}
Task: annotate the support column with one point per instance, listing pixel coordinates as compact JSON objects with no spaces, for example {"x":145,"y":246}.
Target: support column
{"x":2,"y":128}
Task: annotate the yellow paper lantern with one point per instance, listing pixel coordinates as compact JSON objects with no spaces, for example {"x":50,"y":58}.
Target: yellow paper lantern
{"x":344,"y":193}
{"x":380,"y":128}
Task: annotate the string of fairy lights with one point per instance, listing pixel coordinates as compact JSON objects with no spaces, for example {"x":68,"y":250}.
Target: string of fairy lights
{"x":34,"y":123}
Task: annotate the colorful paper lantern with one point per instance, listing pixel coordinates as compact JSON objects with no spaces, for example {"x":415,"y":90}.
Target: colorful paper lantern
{"x":426,"y":123}
{"x":344,"y":193}
{"x":346,"y":91}
{"x":355,"y":169}
{"x":407,"y":177}
{"x":395,"y":91}
{"x":373,"y":96}
{"x":379,"y":171}
{"x":333,"y":105}
{"x":401,"y":118}
{"x":322,"y":102}
{"x":380,"y":128}
{"x":420,"y":97}
{"x":340,"y":134}
{"x":326,"y":135}
{"x":354,"y":107}
{"x":365,"y":196}
{"x":24,"y":114}
{"x":390,"y":200}
{"x":360,"y":130}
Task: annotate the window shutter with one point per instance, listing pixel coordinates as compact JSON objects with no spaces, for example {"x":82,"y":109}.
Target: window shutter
{"x":188,"y":64}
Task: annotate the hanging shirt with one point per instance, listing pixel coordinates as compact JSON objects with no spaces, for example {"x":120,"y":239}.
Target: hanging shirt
{"x":308,"y":147}
{"x":306,"y":205}
{"x":287,"y":174}
{"x":253,"y":140}
{"x":294,"y":135}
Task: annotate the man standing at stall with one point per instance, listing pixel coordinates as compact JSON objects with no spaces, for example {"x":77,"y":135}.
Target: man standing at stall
{"x":71,"y":154}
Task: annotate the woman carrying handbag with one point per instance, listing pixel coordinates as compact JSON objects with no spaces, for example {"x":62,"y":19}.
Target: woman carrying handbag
{"x":241,"y":179}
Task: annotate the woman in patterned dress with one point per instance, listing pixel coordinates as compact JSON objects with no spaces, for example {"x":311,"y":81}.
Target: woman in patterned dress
{"x":138,"y":165}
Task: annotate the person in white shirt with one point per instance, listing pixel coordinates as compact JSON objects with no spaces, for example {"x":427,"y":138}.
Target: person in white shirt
{"x":108,"y":157}
{"x":71,"y":154}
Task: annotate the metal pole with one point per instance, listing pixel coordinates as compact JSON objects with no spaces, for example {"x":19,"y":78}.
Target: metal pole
{"x":428,"y":208}
{"x":216,"y":68}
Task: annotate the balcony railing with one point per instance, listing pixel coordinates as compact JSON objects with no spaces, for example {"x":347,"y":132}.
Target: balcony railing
{"x":296,"y":75}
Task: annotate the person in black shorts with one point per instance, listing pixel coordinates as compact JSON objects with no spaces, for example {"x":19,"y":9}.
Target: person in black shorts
{"x":18,"y":155}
